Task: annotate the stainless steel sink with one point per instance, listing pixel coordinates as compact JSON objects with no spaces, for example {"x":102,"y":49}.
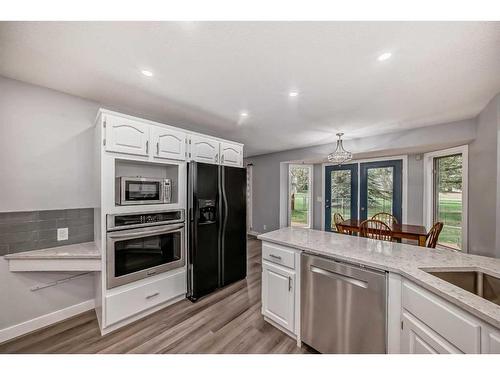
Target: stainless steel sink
{"x":477,"y":282}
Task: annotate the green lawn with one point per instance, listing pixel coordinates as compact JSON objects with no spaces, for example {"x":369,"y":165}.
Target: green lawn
{"x":450,"y":212}
{"x":299,"y":214}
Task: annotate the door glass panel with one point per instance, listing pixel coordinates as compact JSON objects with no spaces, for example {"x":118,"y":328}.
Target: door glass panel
{"x":300,"y":196}
{"x":448,"y":199}
{"x":341,"y":194}
{"x":142,"y":191}
{"x":141,"y":253}
{"x":380,"y":186}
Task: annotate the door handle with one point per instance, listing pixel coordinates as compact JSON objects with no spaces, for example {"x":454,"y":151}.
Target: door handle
{"x":338,"y":276}
{"x":362,"y":208}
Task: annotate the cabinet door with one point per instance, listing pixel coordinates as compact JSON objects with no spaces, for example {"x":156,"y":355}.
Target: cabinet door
{"x":278,"y":295}
{"x":205,"y":150}
{"x":491,"y":341}
{"x":168,"y":143}
{"x":417,"y":338}
{"x":231,"y":154}
{"x":127,"y":136}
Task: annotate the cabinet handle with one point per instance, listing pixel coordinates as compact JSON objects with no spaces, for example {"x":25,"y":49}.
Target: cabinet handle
{"x":222,"y":159}
{"x":289,"y":283}
{"x":216,"y":158}
{"x":152,"y":295}
{"x":157,"y":148}
{"x":275,"y":256}
{"x":147,"y":147}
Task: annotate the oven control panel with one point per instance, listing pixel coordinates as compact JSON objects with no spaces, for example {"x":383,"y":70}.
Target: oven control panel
{"x":144,"y":219}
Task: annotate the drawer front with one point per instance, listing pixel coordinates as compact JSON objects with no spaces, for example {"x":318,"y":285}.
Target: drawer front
{"x":451,"y":323}
{"x":134,"y":300}
{"x":279,"y":255}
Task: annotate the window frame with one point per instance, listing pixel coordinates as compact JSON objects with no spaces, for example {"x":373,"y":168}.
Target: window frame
{"x":289,"y":190}
{"x":429,"y":192}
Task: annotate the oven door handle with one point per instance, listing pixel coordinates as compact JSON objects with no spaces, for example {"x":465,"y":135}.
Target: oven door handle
{"x":172,"y":228}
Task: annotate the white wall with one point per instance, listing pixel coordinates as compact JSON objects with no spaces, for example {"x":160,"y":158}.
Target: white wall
{"x":46,"y":156}
{"x":46,"y":148}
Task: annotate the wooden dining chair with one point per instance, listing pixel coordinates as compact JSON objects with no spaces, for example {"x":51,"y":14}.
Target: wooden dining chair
{"x":386,"y":218}
{"x":375,"y":229}
{"x":433,"y":235}
{"x":337,"y":220}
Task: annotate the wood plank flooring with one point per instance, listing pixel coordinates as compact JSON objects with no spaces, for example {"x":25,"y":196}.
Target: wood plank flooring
{"x":227,"y":321}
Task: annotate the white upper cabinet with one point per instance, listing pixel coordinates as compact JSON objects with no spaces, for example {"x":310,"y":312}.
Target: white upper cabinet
{"x":168,"y":143}
{"x":204,"y":149}
{"x":134,"y":136}
{"x":126,"y":136}
{"x":231,"y":154}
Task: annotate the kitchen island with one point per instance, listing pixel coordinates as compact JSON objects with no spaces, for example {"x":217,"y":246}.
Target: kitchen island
{"x":424,"y":312}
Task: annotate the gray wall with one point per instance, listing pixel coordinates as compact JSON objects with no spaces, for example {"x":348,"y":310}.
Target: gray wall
{"x":46,"y":148}
{"x":484,"y":167}
{"x":46,"y":162}
{"x":266,"y":176}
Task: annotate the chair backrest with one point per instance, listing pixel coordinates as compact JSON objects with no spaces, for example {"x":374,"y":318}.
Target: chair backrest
{"x":433,"y":235}
{"x":337,"y":219}
{"x":385,"y":217}
{"x":375,"y":229}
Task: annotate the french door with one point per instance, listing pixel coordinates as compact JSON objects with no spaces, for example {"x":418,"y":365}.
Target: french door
{"x":378,"y":185}
{"x":381,"y":188}
{"x":341,"y":193}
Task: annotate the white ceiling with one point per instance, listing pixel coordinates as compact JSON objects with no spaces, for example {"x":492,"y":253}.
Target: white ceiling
{"x":205,"y":73}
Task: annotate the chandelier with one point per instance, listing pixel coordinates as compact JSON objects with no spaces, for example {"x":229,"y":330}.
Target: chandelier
{"x":340,"y":155}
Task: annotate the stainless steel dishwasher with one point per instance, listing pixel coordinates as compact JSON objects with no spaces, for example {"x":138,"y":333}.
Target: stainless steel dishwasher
{"x":343,"y":306}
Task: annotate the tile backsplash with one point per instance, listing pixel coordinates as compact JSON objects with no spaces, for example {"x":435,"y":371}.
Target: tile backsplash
{"x":31,"y":230}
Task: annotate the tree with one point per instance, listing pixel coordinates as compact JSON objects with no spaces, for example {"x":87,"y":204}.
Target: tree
{"x":299,"y":179}
{"x":448,"y":171}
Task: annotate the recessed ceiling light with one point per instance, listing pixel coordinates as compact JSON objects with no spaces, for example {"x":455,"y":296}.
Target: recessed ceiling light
{"x":384,"y":56}
{"x":293,"y":94}
{"x":244,"y":114}
{"x":147,"y":73}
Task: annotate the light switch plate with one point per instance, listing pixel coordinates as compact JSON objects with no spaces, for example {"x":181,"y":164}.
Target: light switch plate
{"x":62,"y":234}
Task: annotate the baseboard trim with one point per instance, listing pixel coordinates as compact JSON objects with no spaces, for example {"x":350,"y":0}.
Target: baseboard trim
{"x":23,"y":328}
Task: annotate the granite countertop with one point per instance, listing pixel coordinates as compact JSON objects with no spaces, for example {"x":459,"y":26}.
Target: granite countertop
{"x":406,"y":260}
{"x":86,"y":250}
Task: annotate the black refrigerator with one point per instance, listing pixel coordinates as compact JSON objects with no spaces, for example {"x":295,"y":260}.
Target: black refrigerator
{"x":217,"y":247}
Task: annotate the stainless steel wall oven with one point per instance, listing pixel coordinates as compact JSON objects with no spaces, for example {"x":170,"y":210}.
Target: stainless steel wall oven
{"x":140,"y":245}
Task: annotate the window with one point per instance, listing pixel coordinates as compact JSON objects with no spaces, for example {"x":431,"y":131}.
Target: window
{"x":299,"y":196}
{"x":447,"y":205}
{"x":446,"y":195}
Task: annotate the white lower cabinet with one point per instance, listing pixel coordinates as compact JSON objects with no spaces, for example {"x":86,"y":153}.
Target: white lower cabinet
{"x":417,"y":338}
{"x":430,"y":324}
{"x":278,"y":295}
{"x":125,"y":303}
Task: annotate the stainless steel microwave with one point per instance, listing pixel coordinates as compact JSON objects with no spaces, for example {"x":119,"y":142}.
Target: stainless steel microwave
{"x":142,"y":190}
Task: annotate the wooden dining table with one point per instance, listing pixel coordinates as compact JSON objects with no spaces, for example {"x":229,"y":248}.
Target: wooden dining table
{"x":406,"y":231}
